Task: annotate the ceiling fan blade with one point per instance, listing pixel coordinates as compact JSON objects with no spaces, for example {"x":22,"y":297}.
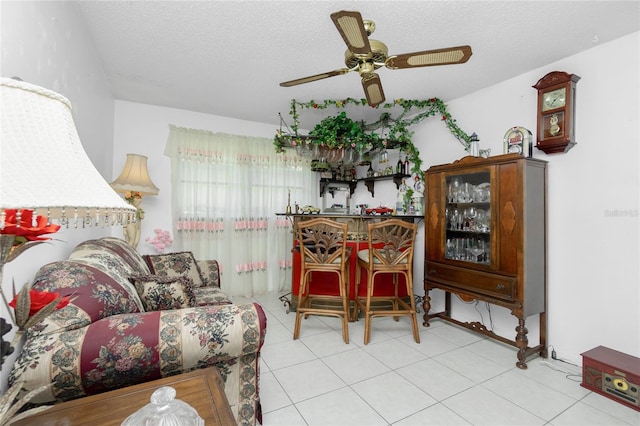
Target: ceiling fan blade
{"x":373,"y":89}
{"x":314,"y":77}
{"x":352,"y":30}
{"x":446,"y":56}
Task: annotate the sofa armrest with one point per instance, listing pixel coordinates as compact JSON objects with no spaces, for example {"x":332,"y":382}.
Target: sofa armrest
{"x":127,"y":349}
{"x":209,"y":272}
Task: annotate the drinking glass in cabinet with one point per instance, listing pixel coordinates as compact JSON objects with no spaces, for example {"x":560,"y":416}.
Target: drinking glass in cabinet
{"x":481,"y":193}
{"x":467,"y":250}
{"x":460,"y":191}
{"x":454,"y":189}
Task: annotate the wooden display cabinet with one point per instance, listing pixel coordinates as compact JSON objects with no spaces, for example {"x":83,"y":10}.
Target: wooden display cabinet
{"x":485,"y":239}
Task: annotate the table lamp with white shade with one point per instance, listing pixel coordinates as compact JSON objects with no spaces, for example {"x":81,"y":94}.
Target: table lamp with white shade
{"x":134,"y":182}
{"x":47,"y":180}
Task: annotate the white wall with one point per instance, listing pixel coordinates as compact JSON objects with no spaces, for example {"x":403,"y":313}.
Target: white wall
{"x":46,"y":43}
{"x":593,"y":195}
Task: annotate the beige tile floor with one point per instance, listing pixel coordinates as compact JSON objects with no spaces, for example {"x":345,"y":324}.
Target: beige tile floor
{"x":453,"y":377}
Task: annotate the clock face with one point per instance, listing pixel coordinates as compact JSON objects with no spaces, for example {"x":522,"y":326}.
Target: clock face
{"x":554,"y":99}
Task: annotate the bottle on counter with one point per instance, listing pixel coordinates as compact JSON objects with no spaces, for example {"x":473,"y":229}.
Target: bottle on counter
{"x":406,"y":169}
{"x":399,"y":166}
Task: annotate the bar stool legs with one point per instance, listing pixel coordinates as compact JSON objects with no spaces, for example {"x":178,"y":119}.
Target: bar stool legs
{"x":390,"y":251}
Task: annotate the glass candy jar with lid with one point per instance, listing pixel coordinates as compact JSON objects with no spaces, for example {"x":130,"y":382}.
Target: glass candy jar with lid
{"x":165,"y":410}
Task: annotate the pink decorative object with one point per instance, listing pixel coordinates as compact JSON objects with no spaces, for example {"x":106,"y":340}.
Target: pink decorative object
{"x":161,"y":241}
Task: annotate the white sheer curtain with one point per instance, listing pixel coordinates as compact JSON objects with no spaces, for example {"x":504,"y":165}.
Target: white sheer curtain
{"x":226,"y":191}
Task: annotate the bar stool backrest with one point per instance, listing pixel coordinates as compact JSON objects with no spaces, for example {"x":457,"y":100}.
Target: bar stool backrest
{"x":391,"y":242}
{"x":322,"y":242}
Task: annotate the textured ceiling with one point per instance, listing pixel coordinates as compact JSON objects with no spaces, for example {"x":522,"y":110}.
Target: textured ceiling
{"x":227,"y":58}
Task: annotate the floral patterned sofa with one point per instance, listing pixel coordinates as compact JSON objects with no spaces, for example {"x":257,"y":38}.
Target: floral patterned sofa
{"x":133,"y":319}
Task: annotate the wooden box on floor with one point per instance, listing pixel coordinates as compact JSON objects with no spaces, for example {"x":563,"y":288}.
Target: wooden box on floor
{"x":613,"y":374}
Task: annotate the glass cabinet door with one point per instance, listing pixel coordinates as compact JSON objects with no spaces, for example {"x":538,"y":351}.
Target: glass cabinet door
{"x":468,"y":217}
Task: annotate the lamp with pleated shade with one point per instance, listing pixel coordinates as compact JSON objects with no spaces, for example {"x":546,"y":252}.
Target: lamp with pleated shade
{"x":134,"y":182}
{"x":46,"y":178}
{"x":44,"y":167}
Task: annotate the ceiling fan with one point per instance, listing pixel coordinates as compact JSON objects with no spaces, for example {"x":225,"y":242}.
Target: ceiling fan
{"x":367,"y":55}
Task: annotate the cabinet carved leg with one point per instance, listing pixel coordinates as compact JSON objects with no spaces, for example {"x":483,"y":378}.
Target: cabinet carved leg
{"x":522,"y":342}
{"x":426,"y":306}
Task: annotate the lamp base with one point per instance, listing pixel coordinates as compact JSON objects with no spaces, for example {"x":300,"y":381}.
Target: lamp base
{"x":132,"y":234}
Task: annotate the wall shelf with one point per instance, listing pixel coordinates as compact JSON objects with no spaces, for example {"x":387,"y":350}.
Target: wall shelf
{"x":370,"y":181}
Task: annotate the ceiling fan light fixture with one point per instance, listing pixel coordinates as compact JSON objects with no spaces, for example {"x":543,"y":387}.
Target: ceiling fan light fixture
{"x":366,"y":68}
{"x":369,"y":27}
{"x":377,"y":55}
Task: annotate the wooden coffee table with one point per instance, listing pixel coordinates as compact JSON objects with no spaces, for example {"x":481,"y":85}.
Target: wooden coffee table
{"x":202,"y":389}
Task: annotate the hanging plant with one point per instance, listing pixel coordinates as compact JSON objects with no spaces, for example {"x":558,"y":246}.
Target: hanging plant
{"x":339,"y":131}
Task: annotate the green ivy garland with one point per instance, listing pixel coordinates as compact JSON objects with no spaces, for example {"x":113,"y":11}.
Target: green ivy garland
{"x":339,"y":131}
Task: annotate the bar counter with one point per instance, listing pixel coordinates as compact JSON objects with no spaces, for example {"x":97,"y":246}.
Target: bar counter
{"x":357,"y":225}
{"x":357,"y":240}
